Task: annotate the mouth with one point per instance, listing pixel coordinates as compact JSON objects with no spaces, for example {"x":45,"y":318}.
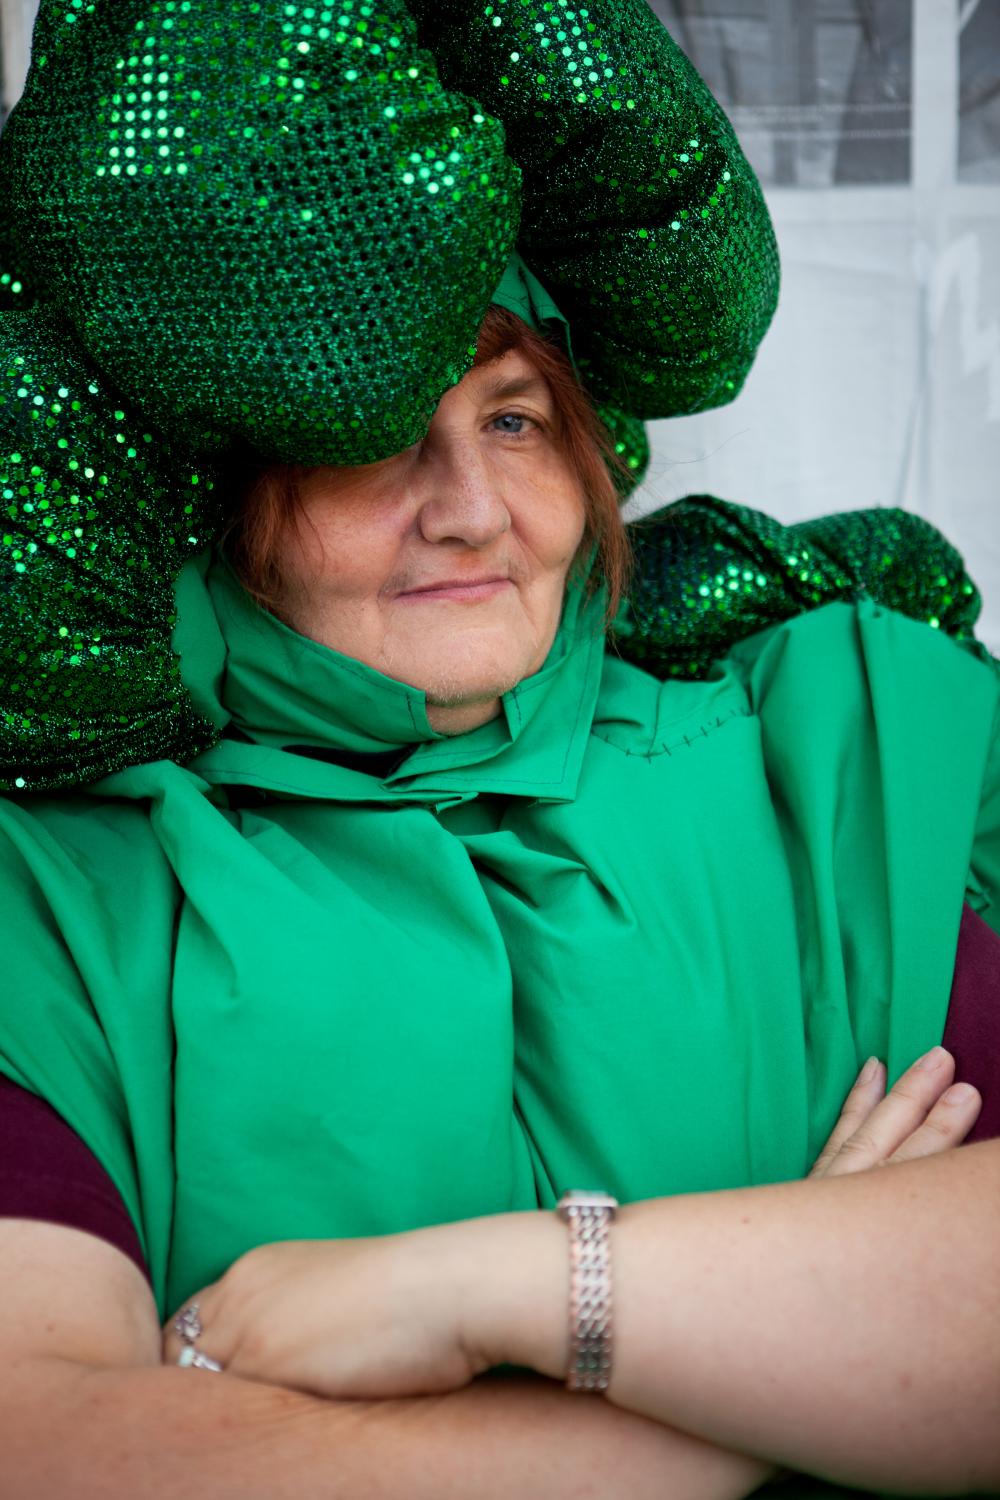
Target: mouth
{"x":459,"y":590}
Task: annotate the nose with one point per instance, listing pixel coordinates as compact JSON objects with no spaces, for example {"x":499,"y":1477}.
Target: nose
{"x":463,"y":499}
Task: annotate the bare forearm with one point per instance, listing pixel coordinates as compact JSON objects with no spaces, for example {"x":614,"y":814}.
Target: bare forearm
{"x":87,"y":1434}
{"x":848,"y":1327}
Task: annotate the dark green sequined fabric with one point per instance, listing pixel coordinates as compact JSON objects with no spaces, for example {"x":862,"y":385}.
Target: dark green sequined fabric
{"x":260,"y":226}
{"x":709,"y":573}
{"x":641,"y":216}
{"x":98,"y":514}
{"x":283,"y":222}
{"x":15,"y":293}
{"x":275,"y":228}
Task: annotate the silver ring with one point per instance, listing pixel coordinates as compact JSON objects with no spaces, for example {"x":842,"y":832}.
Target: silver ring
{"x":192,"y":1358}
{"x":188,"y":1325}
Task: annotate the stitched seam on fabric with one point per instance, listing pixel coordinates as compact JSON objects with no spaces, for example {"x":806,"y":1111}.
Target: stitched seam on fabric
{"x":686,"y":742}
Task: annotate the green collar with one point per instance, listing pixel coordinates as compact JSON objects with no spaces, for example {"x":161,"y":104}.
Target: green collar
{"x":276,"y":694}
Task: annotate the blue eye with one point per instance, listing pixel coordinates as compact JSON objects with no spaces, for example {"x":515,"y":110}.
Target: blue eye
{"x":514,"y":416}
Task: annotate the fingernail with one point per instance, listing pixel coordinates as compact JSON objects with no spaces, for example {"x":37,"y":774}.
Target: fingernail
{"x":959,"y":1093}
{"x":932,"y":1059}
{"x":868,"y":1071}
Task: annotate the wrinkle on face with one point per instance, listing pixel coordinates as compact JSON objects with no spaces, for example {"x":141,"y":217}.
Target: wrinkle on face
{"x":469,"y":501}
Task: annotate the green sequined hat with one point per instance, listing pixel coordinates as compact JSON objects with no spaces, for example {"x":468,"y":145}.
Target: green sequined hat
{"x":283,"y":223}
{"x":245,"y":226}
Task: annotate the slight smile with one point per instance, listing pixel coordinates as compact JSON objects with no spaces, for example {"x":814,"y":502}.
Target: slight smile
{"x":460,"y":592}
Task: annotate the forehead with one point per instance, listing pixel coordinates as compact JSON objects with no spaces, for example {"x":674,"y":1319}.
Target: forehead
{"x":513,"y":374}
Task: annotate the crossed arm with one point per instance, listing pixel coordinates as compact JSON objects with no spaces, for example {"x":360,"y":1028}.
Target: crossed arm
{"x":88,"y":1412}
{"x":847,"y":1327}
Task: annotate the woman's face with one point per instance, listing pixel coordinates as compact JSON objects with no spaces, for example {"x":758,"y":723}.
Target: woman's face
{"x":445,"y":566}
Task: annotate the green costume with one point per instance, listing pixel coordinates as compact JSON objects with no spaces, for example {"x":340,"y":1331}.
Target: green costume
{"x":510,"y":962}
{"x":230,"y":230}
{"x":245,"y":229}
{"x":290,"y":962}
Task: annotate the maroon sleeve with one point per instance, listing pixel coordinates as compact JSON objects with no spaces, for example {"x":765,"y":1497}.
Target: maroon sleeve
{"x":972,"y":1030}
{"x":46,"y":1172}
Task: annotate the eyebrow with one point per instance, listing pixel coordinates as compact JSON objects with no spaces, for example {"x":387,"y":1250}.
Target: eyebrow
{"x":514,"y":385}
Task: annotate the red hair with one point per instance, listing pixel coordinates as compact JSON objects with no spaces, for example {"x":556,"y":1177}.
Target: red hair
{"x":270,"y":502}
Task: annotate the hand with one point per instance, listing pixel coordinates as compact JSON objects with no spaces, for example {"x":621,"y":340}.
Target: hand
{"x":370,"y":1317}
{"x":920,"y":1116}
{"x":426,"y":1311}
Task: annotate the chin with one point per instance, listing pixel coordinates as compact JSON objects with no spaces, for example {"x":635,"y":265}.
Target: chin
{"x":470,"y":670}
{"x":455,"y":681}
{"x":450,"y":690}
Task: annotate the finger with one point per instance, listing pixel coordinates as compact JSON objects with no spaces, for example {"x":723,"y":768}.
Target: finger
{"x":946,"y":1126}
{"x":899,"y":1114}
{"x":866,"y":1093}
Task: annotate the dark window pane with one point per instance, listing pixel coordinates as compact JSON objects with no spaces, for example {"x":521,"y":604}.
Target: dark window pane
{"x":979,"y":91}
{"x":818,"y":90}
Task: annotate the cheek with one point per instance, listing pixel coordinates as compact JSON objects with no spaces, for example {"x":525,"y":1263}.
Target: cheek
{"x":545,"y":497}
{"x":559,"y":522}
{"x":335,"y":554}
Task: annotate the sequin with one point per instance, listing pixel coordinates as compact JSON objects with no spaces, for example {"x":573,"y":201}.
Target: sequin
{"x":709,"y":573}
{"x":323,"y":326}
{"x":276,"y":228}
{"x":695,"y":301}
{"x":303,"y":288}
{"x":97,"y":513}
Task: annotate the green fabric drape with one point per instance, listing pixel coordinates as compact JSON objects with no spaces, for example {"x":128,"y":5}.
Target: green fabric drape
{"x":282,"y":997}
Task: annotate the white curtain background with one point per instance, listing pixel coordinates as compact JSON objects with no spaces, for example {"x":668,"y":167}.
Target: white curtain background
{"x":16,"y":20}
{"x":875,"y":128}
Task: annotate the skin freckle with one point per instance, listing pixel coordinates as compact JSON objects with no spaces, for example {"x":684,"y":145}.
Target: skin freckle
{"x":392,"y":563}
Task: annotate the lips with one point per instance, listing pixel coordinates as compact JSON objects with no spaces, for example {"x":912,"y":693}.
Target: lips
{"x":453,"y":584}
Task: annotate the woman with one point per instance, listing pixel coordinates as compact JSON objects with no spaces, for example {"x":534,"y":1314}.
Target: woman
{"x":388,"y":561}
{"x":456,"y":910}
